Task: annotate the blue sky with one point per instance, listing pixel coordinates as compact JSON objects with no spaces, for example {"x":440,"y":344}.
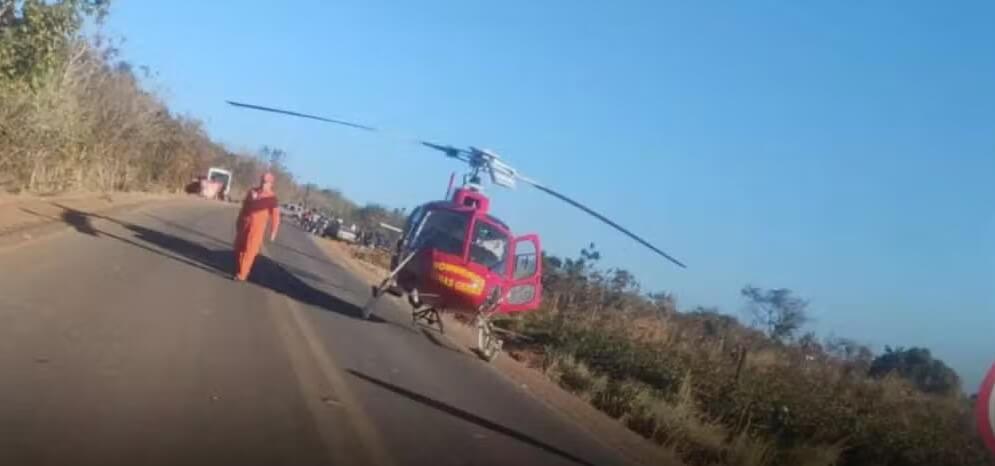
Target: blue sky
{"x":844,"y":151}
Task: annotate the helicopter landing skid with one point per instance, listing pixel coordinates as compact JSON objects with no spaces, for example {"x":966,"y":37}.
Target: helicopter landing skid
{"x":430,"y":316}
{"x":388,"y":285}
{"x":488,"y":343}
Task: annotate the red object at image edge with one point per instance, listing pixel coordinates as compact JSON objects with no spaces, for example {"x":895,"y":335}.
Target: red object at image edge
{"x":981,"y":409}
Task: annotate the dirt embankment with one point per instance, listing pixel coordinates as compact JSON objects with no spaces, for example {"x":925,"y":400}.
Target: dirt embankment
{"x":462,"y":337}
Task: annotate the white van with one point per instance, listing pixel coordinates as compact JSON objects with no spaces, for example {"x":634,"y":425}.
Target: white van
{"x":291,"y":210}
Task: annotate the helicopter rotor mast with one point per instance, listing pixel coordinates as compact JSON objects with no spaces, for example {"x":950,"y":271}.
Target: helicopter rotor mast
{"x":479,"y":160}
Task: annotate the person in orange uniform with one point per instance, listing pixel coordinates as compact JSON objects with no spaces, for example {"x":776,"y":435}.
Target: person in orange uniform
{"x":259,"y":207}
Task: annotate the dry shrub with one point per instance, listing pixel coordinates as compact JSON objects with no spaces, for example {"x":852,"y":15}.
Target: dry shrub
{"x":815,"y":455}
{"x":681,"y":425}
{"x":620,"y":398}
{"x":748,"y":450}
{"x":89,"y":125}
{"x":376,"y":257}
{"x":551,"y":358}
{"x":76,"y":118}
{"x":578,"y":379}
{"x":764,"y":359}
{"x":782,"y":409}
{"x":653,"y":329}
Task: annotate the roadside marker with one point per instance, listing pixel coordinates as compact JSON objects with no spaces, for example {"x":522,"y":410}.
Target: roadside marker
{"x":985,"y":409}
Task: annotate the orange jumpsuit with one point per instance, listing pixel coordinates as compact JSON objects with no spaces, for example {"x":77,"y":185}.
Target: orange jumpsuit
{"x":258,"y":208}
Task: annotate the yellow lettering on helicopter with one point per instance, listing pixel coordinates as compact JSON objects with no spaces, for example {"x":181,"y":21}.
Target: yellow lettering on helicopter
{"x":474,"y":284}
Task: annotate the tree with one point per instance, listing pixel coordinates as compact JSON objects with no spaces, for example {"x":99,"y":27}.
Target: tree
{"x":848,"y":349}
{"x":370,"y":215}
{"x":334,"y":201}
{"x":664,"y":302}
{"x":623,"y":281}
{"x":35,"y":36}
{"x":713,"y":323}
{"x":308,"y":189}
{"x":777,"y":312}
{"x":918,"y":366}
{"x":274,"y":158}
{"x":590,"y":254}
{"x":809,"y":343}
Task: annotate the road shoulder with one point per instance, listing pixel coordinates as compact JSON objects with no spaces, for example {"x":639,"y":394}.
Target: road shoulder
{"x":610,"y":432}
{"x":26,"y":219}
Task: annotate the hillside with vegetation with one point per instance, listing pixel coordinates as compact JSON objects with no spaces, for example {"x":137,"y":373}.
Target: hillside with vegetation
{"x":723,"y":392}
{"x":75,"y":117}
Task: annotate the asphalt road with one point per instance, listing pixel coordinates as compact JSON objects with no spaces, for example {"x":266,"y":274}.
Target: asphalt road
{"x":123,"y":342}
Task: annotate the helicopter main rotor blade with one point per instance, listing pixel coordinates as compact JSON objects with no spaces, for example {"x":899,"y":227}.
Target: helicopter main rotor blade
{"x":472,"y":157}
{"x":302,"y":115}
{"x":450,"y":151}
{"x":598,"y":216}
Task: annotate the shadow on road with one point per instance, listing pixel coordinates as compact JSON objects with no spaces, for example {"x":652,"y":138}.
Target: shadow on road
{"x":469,"y":417}
{"x":437,"y":341}
{"x":227,"y":245}
{"x":78,"y":220}
{"x":266,"y":272}
{"x":184,"y":228}
{"x":222,"y":242}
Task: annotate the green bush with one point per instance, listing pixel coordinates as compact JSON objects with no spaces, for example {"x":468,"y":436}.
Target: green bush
{"x":782,"y":409}
{"x":621,"y":397}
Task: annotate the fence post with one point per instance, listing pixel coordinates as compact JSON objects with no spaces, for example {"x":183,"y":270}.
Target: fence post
{"x":741,"y":360}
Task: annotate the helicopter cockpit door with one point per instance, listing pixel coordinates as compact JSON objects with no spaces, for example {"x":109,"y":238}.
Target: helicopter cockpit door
{"x":524,"y":289}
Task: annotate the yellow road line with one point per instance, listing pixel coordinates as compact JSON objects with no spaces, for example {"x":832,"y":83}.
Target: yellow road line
{"x":372,"y":445}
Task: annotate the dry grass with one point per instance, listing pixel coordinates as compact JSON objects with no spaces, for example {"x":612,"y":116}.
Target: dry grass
{"x":765,"y":359}
{"x":579,"y":379}
{"x":376,"y":257}
{"x":681,"y":425}
{"x":815,"y":455}
{"x":673,"y":380}
{"x":681,"y":385}
{"x":749,"y":450}
{"x":86,"y":124}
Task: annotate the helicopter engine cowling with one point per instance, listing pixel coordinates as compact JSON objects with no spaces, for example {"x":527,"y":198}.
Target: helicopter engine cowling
{"x":472,"y":198}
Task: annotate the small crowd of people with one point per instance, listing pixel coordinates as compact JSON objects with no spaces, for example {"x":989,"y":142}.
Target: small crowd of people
{"x":317,"y":223}
{"x":260,"y":209}
{"x":374,"y":239}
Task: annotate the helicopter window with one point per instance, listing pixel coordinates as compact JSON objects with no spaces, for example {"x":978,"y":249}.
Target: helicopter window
{"x":489,"y":247}
{"x":443,"y":230}
{"x":521,"y":294}
{"x":413,"y":220}
{"x":525,"y":260}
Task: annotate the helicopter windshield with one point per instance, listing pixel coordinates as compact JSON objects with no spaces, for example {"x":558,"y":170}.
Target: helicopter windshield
{"x":443,"y":230}
{"x":489,"y":247}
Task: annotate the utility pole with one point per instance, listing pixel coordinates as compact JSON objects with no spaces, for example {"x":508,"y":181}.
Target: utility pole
{"x":307,"y":193}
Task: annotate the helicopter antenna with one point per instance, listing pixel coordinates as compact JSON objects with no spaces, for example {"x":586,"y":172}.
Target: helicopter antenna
{"x":480,"y":160}
{"x":449,"y":189}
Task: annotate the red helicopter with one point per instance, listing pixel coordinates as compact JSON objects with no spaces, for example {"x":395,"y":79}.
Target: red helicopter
{"x":454,"y":256}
